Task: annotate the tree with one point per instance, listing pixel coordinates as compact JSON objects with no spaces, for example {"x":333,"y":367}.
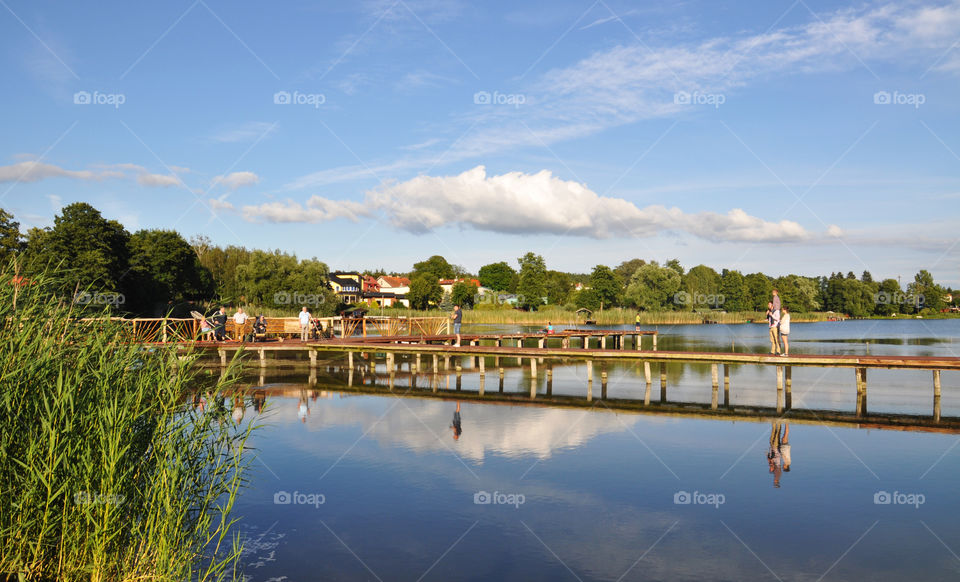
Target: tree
{"x":436,"y":266}
{"x":626,"y":269}
{"x":702,"y":285}
{"x":11,"y":242}
{"x":531,"y":287}
{"x":759,"y":291}
{"x":164,"y":268}
{"x":424,"y":290}
{"x":733,"y":288}
{"x":675,"y":265}
{"x":866,"y":277}
{"x":558,"y":287}
{"x":498,"y":276}
{"x":604,"y":282}
{"x":925,"y":293}
{"x":464,"y":294}
{"x":889,"y":298}
{"x":587,"y":298}
{"x":798,"y":293}
{"x":92,"y":249}
{"x":653,"y":287}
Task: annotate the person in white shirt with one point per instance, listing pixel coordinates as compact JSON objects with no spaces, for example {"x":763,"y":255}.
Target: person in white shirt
{"x":240,"y":318}
{"x":305,"y":318}
{"x":785,"y":331}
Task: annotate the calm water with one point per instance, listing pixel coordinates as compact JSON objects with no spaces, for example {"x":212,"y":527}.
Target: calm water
{"x":368,"y":487}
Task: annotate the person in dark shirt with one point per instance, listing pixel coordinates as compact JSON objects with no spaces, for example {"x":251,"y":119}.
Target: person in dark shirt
{"x":457,"y":317}
{"x":220,"y":325}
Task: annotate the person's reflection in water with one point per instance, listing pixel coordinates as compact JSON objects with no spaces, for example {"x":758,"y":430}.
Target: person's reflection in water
{"x":303,"y":409}
{"x":238,"y":408}
{"x":457,"y":430}
{"x":785,"y":447}
{"x":259,"y":400}
{"x":774,"y":458}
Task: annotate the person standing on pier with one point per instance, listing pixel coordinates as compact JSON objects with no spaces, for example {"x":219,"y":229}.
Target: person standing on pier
{"x":457,"y":317}
{"x":305,"y":318}
{"x":240,"y":319}
{"x":773,"y":320}
{"x":220,"y":325}
{"x":785,"y":331}
{"x":636,"y":322}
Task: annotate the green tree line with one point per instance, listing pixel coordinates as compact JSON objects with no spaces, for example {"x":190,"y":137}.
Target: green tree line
{"x":155,"y":270}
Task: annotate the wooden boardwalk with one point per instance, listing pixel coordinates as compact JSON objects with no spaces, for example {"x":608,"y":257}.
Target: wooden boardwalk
{"x":609,"y":346}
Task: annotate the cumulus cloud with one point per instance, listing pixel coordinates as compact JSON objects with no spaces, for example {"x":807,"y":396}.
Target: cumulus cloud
{"x":520,"y":203}
{"x":158,"y":180}
{"x":317,"y":209}
{"x":236,"y":180}
{"x":33,"y":171}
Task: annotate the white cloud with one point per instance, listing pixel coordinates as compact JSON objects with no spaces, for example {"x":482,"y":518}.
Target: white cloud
{"x":221,"y":203}
{"x":249,"y":131}
{"x":32,"y":171}
{"x":236,"y":180}
{"x":158,"y":180}
{"x":317,"y":210}
{"x":519,"y":203}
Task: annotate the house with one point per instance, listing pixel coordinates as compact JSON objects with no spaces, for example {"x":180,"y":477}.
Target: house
{"x":394,"y":290}
{"x":347,"y":285}
{"x":448,"y":284}
{"x":370,"y":285}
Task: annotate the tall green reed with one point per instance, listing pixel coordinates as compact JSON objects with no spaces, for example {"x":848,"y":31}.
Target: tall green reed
{"x":106,"y":473}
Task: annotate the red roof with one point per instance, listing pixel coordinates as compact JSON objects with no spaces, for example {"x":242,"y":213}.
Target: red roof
{"x":474,"y":282}
{"x":396,"y":281}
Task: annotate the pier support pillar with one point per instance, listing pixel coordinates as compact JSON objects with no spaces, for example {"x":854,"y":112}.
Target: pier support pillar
{"x":541,"y":342}
{"x":483,"y":364}
{"x":936,"y":395}
{"x":263,"y":357}
{"x":788,"y":375}
{"x":436,"y":363}
{"x":313,"y":359}
{"x":638,"y":342}
{"x":663,"y":381}
{"x":603,"y":342}
{"x":726,"y":385}
{"x":549,"y":380}
{"x":481,"y":385}
{"x":416,"y":364}
{"x":350,"y":360}
{"x":654,"y":336}
{"x":715,"y":386}
{"x":223,"y":357}
{"x":603,"y":380}
{"x":646,"y":373}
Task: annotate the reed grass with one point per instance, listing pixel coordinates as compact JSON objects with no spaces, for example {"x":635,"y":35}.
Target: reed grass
{"x":105,"y":472}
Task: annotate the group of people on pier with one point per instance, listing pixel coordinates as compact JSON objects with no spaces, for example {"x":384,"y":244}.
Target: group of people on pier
{"x":778,"y":318}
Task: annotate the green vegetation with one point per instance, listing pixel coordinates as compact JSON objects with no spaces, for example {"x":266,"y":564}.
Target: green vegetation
{"x":105,"y":472}
{"x":154,"y":271}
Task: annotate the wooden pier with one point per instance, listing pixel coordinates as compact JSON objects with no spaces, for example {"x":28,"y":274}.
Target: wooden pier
{"x":611,"y":346}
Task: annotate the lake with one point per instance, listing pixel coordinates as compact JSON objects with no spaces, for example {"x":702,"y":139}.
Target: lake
{"x":387,"y":486}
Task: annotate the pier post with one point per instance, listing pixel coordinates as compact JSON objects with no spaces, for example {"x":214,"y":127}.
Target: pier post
{"x":603,"y":380}
{"x":436,"y":363}
{"x":263,"y":357}
{"x":726,"y":385}
{"x":446,"y":362}
{"x":533,"y":378}
{"x":541,"y":342}
{"x":313,"y":359}
{"x":589,"y":370}
{"x":565,"y":343}
{"x":788,"y":372}
{"x":533,"y":367}
{"x":350,"y":360}
{"x":646,"y":395}
{"x":654,"y":342}
{"x":779,"y":389}
{"x":936,"y":395}
{"x":638,"y":342}
{"x":481,"y":385}
{"x":646,"y":374}
{"x":603,"y":342}
{"x":549,"y":380}
{"x":390,"y":362}
{"x":482,"y":362}
{"x":223,"y":356}
{"x":663,"y":381}
{"x":416,"y":365}
{"x":715,"y":386}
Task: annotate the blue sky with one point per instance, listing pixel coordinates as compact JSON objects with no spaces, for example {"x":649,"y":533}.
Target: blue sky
{"x":787,"y":137}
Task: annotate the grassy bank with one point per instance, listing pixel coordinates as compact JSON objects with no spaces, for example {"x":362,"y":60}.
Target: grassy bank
{"x":105,"y":473}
